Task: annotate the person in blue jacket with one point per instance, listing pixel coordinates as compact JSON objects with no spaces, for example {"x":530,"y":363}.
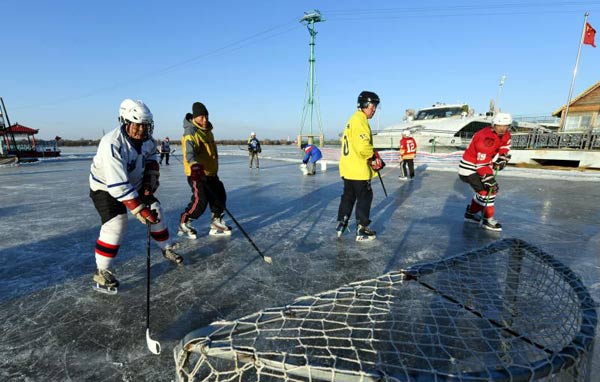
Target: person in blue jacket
{"x":311,"y":155}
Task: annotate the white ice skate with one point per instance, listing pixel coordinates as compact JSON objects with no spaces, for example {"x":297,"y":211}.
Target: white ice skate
{"x":218,"y":226}
{"x":364,"y":233}
{"x":106,"y":282}
{"x":491,"y":224}
{"x":186,"y":229}
{"x":172,"y":256}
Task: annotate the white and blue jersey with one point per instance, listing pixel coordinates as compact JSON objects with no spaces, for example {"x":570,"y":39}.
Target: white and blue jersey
{"x":312,"y":154}
{"x":118,"y":167}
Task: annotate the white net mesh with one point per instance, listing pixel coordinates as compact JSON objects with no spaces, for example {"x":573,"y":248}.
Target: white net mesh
{"x":507,"y":312}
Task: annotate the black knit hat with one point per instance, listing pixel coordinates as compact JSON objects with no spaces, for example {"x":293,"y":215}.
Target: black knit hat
{"x":198,"y":108}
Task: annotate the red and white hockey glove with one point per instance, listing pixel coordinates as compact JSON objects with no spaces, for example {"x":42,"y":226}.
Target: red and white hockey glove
{"x":197,"y":172}
{"x":151,"y":175}
{"x":141,"y":211}
{"x":376,"y":162}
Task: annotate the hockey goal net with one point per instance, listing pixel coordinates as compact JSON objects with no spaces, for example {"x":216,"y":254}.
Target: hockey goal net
{"x":506,"y":312}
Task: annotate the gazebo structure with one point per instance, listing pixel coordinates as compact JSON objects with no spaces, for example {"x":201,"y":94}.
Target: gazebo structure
{"x":24,"y":144}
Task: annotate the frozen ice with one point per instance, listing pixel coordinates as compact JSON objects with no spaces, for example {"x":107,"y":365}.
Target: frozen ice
{"x":55,"y":327}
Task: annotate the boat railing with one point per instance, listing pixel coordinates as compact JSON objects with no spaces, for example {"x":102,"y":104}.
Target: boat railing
{"x":539,"y":119}
{"x":555,"y":140}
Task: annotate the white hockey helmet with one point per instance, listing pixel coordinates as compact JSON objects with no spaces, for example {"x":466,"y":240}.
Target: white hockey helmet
{"x":406,"y":133}
{"x":253,"y":134}
{"x":503,"y":119}
{"x":138,"y":112}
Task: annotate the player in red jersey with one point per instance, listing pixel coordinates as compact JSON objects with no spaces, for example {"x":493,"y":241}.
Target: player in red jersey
{"x":488,"y":152}
{"x":408,"y":151}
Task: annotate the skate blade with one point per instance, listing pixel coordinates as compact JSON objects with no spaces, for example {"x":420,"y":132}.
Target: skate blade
{"x":193,"y":237}
{"x":216,"y":232}
{"x":491,"y":229}
{"x":175,"y":261}
{"x":471,"y":221}
{"x":106,"y":290}
{"x":370,"y":238}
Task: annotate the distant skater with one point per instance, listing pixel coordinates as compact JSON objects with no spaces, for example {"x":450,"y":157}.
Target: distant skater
{"x":488,"y":152}
{"x":165,"y":151}
{"x":408,"y":151}
{"x":201,"y":165}
{"x":253,"y":150}
{"x":124,"y":176}
{"x":358,"y":164}
{"x":312,"y":154}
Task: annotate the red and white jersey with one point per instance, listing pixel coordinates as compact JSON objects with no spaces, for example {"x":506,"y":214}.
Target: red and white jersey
{"x":118,"y":167}
{"x":482,"y":151}
{"x":408,"y":148}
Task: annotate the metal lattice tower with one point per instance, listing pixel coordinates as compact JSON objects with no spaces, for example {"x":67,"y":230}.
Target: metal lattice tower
{"x":309,"y":19}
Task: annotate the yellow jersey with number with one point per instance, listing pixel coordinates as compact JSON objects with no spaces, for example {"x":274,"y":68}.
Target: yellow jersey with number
{"x":357,"y":148}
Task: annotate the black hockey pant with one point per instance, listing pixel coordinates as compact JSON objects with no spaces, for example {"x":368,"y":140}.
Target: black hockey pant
{"x":359,"y":192}
{"x":408,"y":168}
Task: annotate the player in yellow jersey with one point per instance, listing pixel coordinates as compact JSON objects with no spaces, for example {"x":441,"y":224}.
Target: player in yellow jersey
{"x":358,"y":164}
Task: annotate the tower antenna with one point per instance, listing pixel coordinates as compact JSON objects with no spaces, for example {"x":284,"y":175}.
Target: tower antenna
{"x":309,"y":19}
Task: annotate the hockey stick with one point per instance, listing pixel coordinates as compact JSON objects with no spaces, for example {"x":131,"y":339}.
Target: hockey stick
{"x":382,"y":185}
{"x":267,"y":259}
{"x":487,"y":199}
{"x":153,"y":346}
{"x":176,"y":157}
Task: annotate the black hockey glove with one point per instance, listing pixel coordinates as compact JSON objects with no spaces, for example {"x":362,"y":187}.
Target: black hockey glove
{"x":489,"y":183}
{"x":501,"y":162}
{"x":150,"y":180}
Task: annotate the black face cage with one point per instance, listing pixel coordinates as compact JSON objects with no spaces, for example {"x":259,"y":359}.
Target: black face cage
{"x":149,"y":128}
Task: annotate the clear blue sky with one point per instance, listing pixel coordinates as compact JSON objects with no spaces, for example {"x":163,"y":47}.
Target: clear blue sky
{"x":66,"y":65}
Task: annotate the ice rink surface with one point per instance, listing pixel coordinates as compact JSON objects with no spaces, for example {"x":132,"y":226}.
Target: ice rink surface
{"x":54,"y":327}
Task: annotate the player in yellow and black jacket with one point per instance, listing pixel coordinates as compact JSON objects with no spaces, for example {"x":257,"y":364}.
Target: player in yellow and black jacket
{"x":358,"y":164}
{"x":201,"y":165}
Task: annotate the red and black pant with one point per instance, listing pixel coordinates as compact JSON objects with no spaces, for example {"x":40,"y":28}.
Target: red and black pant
{"x":209,"y":191}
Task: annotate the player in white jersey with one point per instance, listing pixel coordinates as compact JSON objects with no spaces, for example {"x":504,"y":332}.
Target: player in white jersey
{"x":124,"y":176}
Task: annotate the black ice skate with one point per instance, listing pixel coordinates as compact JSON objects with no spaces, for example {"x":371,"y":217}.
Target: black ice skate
{"x":105,"y":282}
{"x":491,"y":224}
{"x":218,"y":226}
{"x":342,"y":226}
{"x":186,"y":229}
{"x":172,"y":256}
{"x":471,"y":217}
{"x":364,"y":233}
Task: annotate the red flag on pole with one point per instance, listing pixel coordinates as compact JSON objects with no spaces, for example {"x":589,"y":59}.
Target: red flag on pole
{"x":589,"y":35}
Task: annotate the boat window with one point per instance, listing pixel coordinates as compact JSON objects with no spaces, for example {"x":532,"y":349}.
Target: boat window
{"x":444,"y":112}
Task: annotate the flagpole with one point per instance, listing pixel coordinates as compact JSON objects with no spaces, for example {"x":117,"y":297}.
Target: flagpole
{"x":564,"y":122}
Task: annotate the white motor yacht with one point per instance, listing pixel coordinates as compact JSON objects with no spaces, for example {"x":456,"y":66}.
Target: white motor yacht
{"x":439,"y":128}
